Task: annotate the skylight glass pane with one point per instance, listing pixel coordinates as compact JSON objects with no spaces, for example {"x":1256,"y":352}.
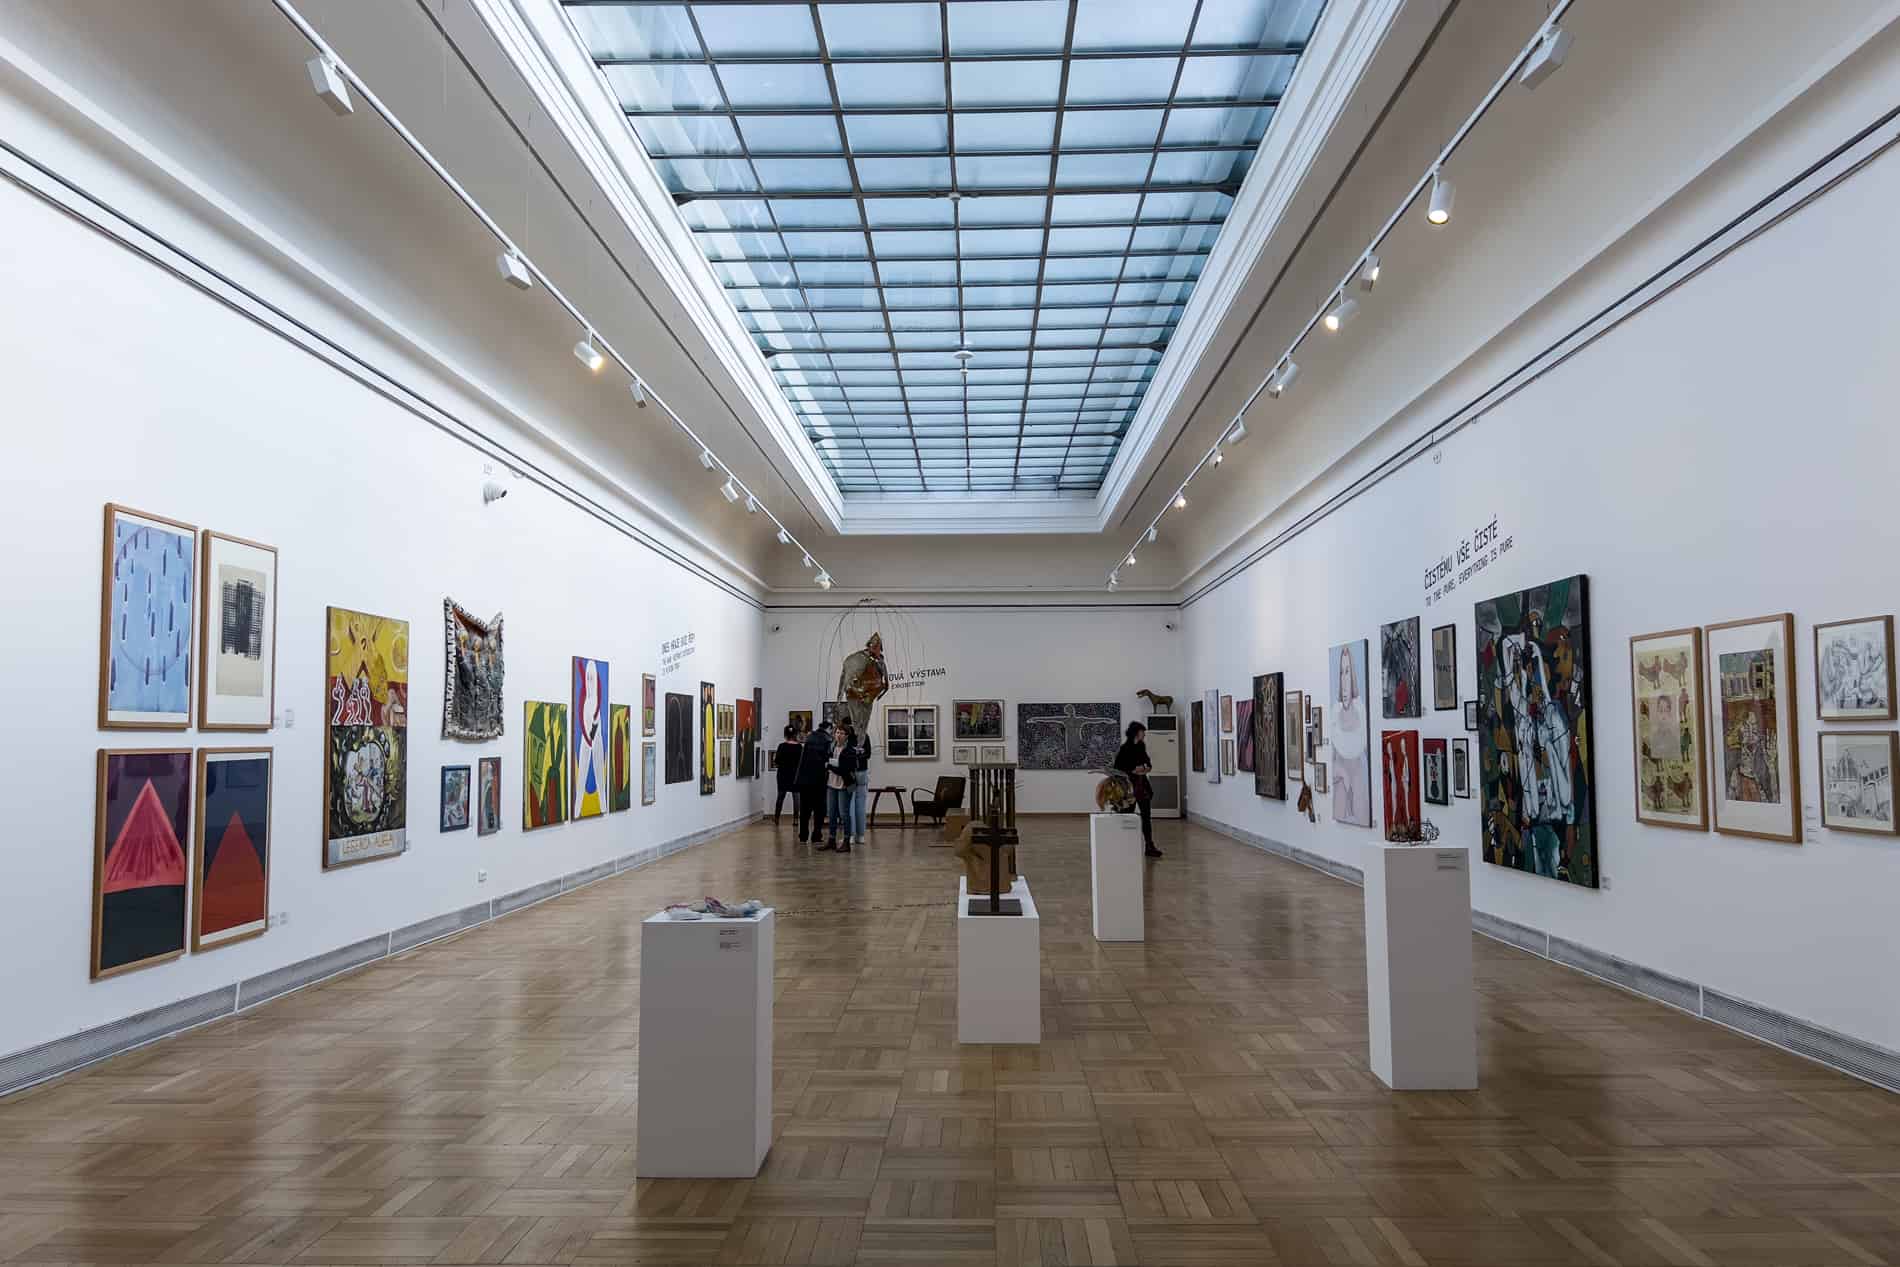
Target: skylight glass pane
{"x":836,"y":272}
{"x":903,"y":173}
{"x":868,"y":30}
{"x":821,"y":175}
{"x":1076,"y":208}
{"x":821,"y":246}
{"x":1237,"y":79}
{"x":1024,"y":83}
{"x":888,"y":213}
{"x":706,"y":175}
{"x":1001,"y":241}
{"x":1253,"y":24}
{"x":934,"y":272}
{"x":635,"y":30}
{"x":915,"y":244}
{"x":775,"y":85}
{"x":988,"y":272}
{"x":1115,"y":79}
{"x":1120,"y":25}
{"x":887,"y":133}
{"x":1217,"y":125}
{"x":877,"y":85}
{"x":1019,"y":130}
{"x":1101,"y":171}
{"x":666,"y":135}
{"x":1208,"y":168}
{"x":756,"y":30}
{"x":654,"y":88}
{"x":790,"y":133}
{"x":815,"y":213}
{"x":1109,"y":129}
{"x":992,"y":172}
{"x":1015,"y":210}
{"x":1007,"y":26}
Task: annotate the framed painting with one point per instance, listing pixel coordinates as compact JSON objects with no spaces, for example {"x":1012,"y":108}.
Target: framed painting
{"x":830,"y":711}
{"x":237,"y":682}
{"x":487,"y":795}
{"x":1398,"y":661}
{"x":1351,"y":759}
{"x":620,"y":756}
{"x":1315,"y":722}
{"x":977,"y":719}
{"x":1198,"y":738}
{"x":592,"y":772}
{"x":1399,"y":762}
{"x":1312,"y":741}
{"x":366,"y":738}
{"x":746,"y":720}
{"x":648,"y":791}
{"x":801,"y":718}
{"x":1445,"y":668}
{"x":142,"y":819}
{"x":649,"y":704}
{"x":1267,"y":712}
{"x":1243,"y":735}
{"x":1757,"y":762}
{"x":1471,"y":714}
{"x":1226,"y":714}
{"x":1461,"y":768}
{"x":1319,"y":777}
{"x":1212,"y":711}
{"x":543,"y":764}
{"x":230,"y":861}
{"x":1536,"y":732}
{"x":1853,"y":669}
{"x":1433,"y":758}
{"x":147,"y":588}
{"x":1857,"y":780}
{"x":679,"y":737}
{"x":472,"y":674}
{"x":708,"y":739}
{"x":963,"y":754}
{"x":1067,"y":736}
{"x":725,"y":758}
{"x":1227,"y":756}
{"x":994,"y":754}
{"x":455,"y":798}
{"x":727,"y":724}
{"x":1666,"y":709}
{"x":1292,"y":719}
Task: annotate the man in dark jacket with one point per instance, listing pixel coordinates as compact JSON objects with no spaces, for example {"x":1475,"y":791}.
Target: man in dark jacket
{"x":811,"y":783}
{"x":785,"y":761}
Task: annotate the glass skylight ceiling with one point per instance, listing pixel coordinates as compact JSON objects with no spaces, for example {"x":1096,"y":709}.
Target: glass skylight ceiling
{"x":880,"y":186}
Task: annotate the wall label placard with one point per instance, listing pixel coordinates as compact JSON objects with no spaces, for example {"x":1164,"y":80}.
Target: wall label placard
{"x":673,"y":652}
{"x":1478,"y":550}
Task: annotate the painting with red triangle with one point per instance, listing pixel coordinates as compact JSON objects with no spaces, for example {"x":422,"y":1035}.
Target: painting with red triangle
{"x":231,"y":853}
{"x":143,"y":820}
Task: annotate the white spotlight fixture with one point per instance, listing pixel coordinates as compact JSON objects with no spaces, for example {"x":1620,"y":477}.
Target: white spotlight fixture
{"x":328,"y":82}
{"x":751,"y":504}
{"x":493,"y":491}
{"x":587,"y":354}
{"x":514,"y":270}
{"x":1114,"y":581}
{"x":1219,"y":457}
{"x":729,"y":491}
{"x":1546,"y":57}
{"x":808,"y":560}
{"x":1131,"y":561}
{"x":1369,"y":272}
{"x":784,"y":537}
{"x":1443,"y":195}
{"x":1180,"y":501}
{"x":1342,"y":313}
{"x":1154,"y":534}
{"x":963,"y":357}
{"x":1239,"y":430}
{"x":1289,"y":370}
{"x":824,"y":580}
{"x":639,"y":390}
{"x":706,"y":459}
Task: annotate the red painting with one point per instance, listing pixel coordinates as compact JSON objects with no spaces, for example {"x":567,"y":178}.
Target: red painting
{"x":1402,"y":778}
{"x":143,"y":820}
{"x":232,"y":864}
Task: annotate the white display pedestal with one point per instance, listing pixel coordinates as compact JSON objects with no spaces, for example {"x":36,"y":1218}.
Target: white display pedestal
{"x":705,"y":1105}
{"x":999,"y":971}
{"x":1418,"y":968}
{"x":1115,"y":877}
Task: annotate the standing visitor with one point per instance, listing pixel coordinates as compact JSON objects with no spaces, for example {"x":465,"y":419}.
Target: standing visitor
{"x":789,"y":751}
{"x":1132,"y":760}
{"x":861,"y":789}
{"x":812,"y":760}
{"x":838,"y":783}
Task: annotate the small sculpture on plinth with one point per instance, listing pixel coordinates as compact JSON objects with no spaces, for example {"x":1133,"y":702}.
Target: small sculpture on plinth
{"x":1115,"y":794}
{"x":989,"y":853}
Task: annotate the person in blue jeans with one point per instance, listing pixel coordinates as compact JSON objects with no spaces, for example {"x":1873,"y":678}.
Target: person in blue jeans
{"x":840,"y":773}
{"x":860,"y":790}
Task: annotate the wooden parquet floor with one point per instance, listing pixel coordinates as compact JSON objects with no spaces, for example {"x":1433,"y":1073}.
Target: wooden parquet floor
{"x":1200,"y":1099}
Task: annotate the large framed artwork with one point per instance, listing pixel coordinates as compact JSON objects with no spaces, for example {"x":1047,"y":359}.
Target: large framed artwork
{"x":708,"y":739}
{"x":146,"y":591}
{"x":142,"y":820}
{"x":1399,"y":763}
{"x":1211,"y":713}
{"x":1536,"y":732}
{"x":1197,"y":737}
{"x":230,"y":862}
{"x":1067,"y":736}
{"x":620,"y":756}
{"x":977,"y":719}
{"x":237,"y":683}
{"x":648,"y":703}
{"x":1857,"y":780}
{"x":1243,"y":735}
{"x":487,"y":796}
{"x":472,"y":676}
{"x":1293,"y":721}
{"x":543,"y":764}
{"x":648,"y":791}
{"x":1398,"y":661}
{"x":454,"y":813}
{"x":1445,"y":668}
{"x":747,"y":723}
{"x":1433,"y":760}
{"x":365,"y":738}
{"x":679,"y":737}
{"x":1350,"y":767}
{"x":1853,"y":670}
{"x":910,"y":732}
{"x":1757,"y":766}
{"x":1666,"y":706}
{"x":593,"y":771}
{"x":1266,"y":731}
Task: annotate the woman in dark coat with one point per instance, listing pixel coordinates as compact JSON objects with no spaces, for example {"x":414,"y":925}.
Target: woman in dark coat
{"x":812,"y":761}
{"x":1132,"y":760}
{"x":789,"y":750}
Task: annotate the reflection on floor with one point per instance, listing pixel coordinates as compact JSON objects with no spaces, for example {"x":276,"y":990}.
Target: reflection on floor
{"x":1200,"y":1099}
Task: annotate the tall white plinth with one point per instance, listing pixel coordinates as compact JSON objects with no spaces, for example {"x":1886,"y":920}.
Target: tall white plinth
{"x":999,"y":971}
{"x":1418,"y":968}
{"x":705,"y":1105}
{"x":1115,"y":876}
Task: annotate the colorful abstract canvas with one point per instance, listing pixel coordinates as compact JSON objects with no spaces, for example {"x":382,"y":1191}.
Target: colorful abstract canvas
{"x":142,"y":821}
{"x":1671,"y":754}
{"x":592,"y":771}
{"x":1398,"y":755}
{"x":746,"y":738}
{"x":487,"y":796}
{"x":1536,"y":732}
{"x":146,"y":642}
{"x":366,"y":738}
{"x":1350,"y":767}
{"x":1243,"y":735}
{"x":708,"y":739}
{"x":620,"y":755}
{"x":1757,"y":778}
{"x":238,"y":686}
{"x":1262,"y":732}
{"x":231,"y":849}
{"x":679,"y":738}
{"x":543,"y":764}
{"x":1067,"y":736}
{"x":649,"y":718}
{"x":648,"y":789}
{"x":1197,"y":739}
{"x":976,"y":719}
{"x":454,"y":813}
{"x":1398,"y":658}
{"x":472,"y":674}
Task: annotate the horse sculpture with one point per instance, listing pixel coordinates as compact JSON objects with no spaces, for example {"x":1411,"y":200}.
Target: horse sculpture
{"x":1157,"y":703}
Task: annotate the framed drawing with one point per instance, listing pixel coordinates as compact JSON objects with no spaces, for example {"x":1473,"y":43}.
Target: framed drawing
{"x":994,"y":754}
{"x":708,"y":739}
{"x":1350,"y":764}
{"x":543,"y":764}
{"x":455,"y":790}
{"x":366,"y":738}
{"x":1666,"y":709}
{"x":230,"y":860}
{"x":1853,"y":670}
{"x":648,"y":791}
{"x":142,"y":819}
{"x":1198,"y":738}
{"x":679,"y":738}
{"x":1292,"y":721}
{"x":1445,"y":667}
{"x":588,"y":751}
{"x":237,"y":682}
{"x":1226,"y":714}
{"x":1471,"y":714}
{"x":1319,"y":777}
{"x":1399,"y":761}
{"x":1461,"y":768}
{"x":1433,"y":758}
{"x":147,"y":588}
{"x":649,"y":718}
{"x":1315,"y":722}
{"x":1227,"y":756}
{"x":472,"y":674}
{"x":1857,"y":780}
{"x":727,"y":722}
{"x":1398,"y":659}
{"x":1756,"y":767}
{"x":620,"y":756}
{"x":963,"y":754}
{"x":725,"y":758}
{"x":977,"y":718}
{"x":487,"y":795}
{"x":1267,"y":712}
{"x":1243,"y":736}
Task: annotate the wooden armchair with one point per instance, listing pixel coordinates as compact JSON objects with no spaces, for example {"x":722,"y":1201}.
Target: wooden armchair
{"x":948,"y":796}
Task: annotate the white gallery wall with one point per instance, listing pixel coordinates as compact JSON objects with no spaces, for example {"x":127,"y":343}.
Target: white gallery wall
{"x":1726,"y":452}
{"x":1029,"y":653}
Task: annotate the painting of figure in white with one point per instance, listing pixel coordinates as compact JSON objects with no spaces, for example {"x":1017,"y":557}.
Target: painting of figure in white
{"x":589,"y":747}
{"x":1351,"y":764}
{"x":1853,"y":669}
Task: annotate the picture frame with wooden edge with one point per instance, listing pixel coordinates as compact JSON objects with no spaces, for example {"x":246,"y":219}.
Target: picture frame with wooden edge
{"x":1821,"y":712}
{"x":194,"y":916}
{"x":112,"y":510}
{"x":1292,"y":728}
{"x":1792,"y":780}
{"x":95,"y":941}
{"x":206,"y":537}
{"x":1704,"y":758}
{"x":1893,"y":759}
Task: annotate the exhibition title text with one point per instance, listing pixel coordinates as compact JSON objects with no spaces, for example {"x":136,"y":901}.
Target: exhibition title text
{"x":1468,"y":558}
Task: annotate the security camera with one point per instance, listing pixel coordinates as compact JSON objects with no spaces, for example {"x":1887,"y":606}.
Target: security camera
{"x":1169,"y":626}
{"x":493,"y":491}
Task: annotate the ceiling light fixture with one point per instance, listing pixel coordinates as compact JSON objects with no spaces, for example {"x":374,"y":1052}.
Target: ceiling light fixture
{"x":1544,"y":60}
{"x":1131,"y":561}
{"x":1369,"y":272}
{"x":1239,"y":430}
{"x":329,"y":84}
{"x":1114,"y":581}
{"x":729,"y":490}
{"x":639,"y":391}
{"x":1283,"y":379}
{"x":751,"y":504}
{"x":1342,"y":314}
{"x":808,"y":559}
{"x":963,"y":357}
{"x":1219,"y":457}
{"x":784,"y":537}
{"x":824,"y":580}
{"x":1180,"y":501}
{"x":587,"y":354}
{"x":707,"y":460}
{"x":1154,"y":534}
{"x":514,"y":271}
{"x":1444,"y":193}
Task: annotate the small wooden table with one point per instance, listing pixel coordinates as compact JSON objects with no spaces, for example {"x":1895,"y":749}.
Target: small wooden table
{"x":877,"y":794}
